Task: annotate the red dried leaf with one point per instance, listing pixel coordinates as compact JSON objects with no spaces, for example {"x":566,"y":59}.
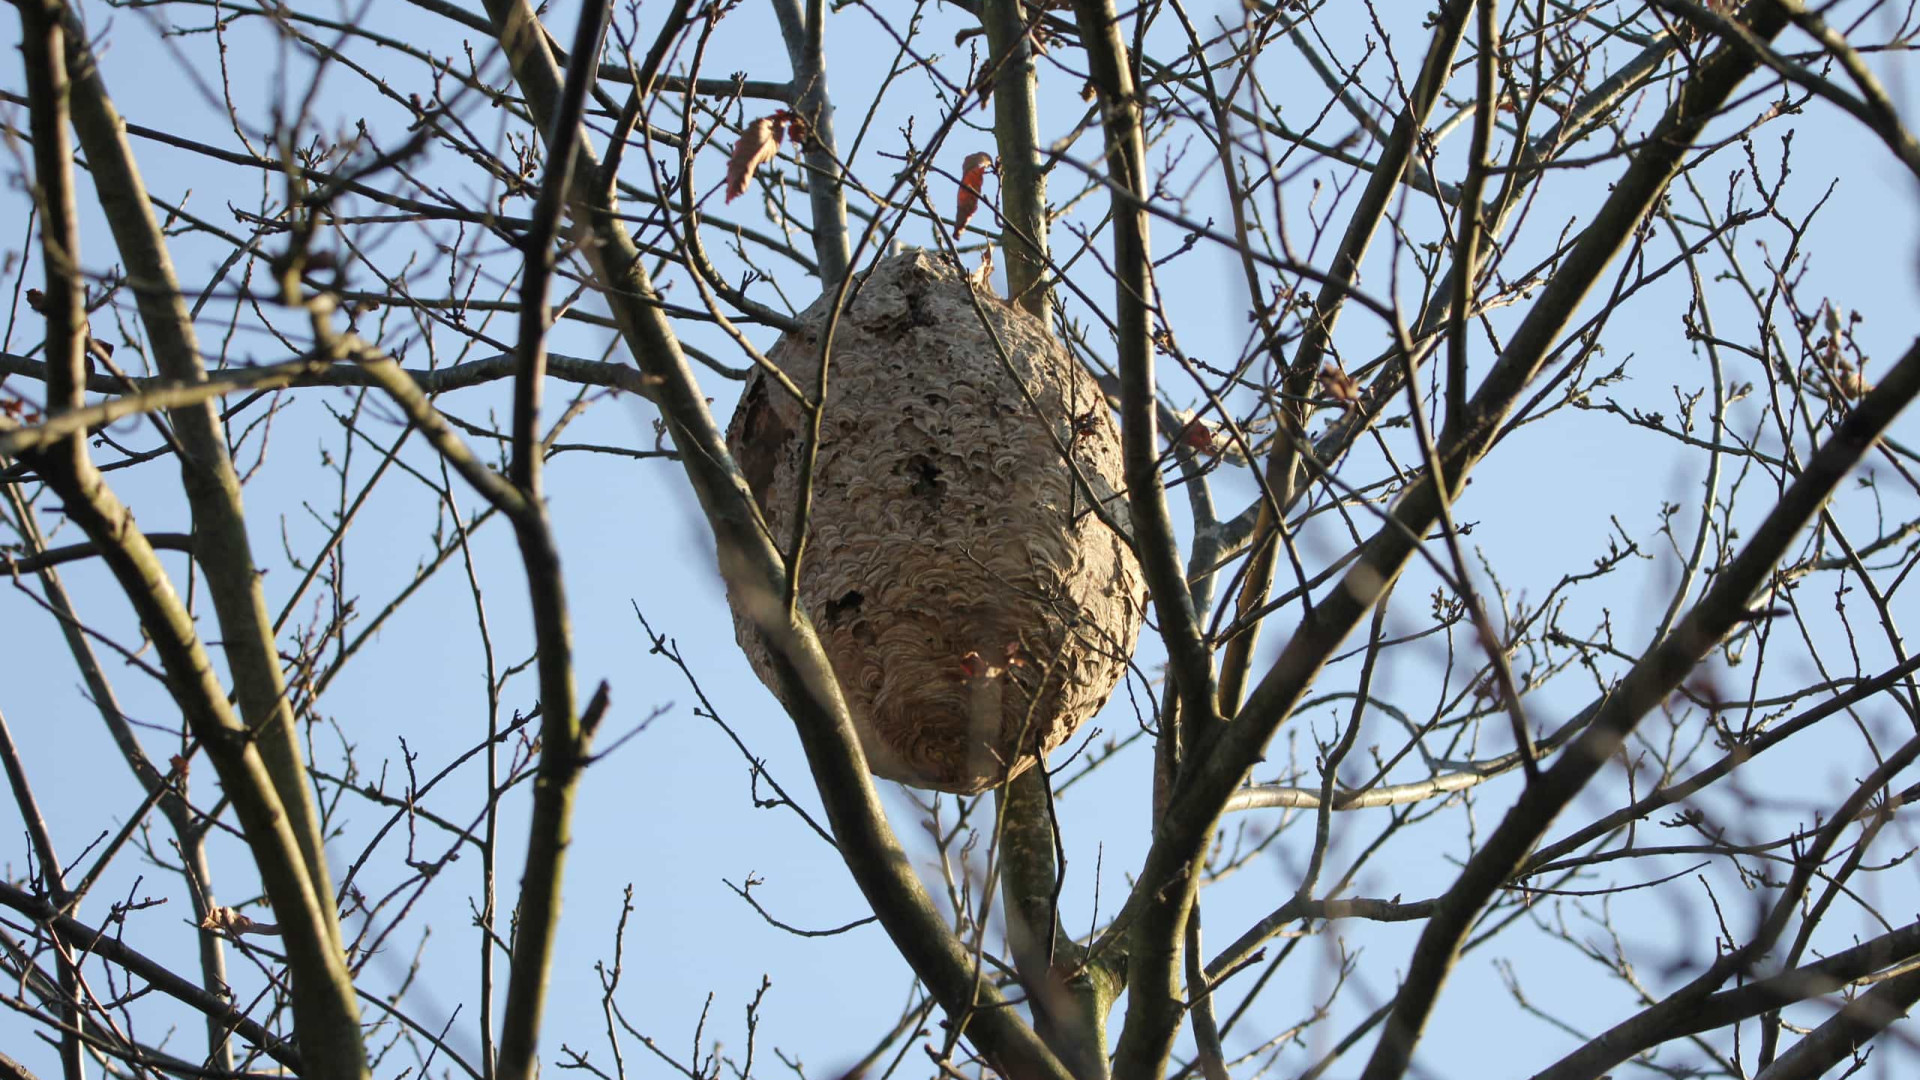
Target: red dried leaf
{"x":973,"y":172}
{"x":756,"y":147}
{"x":1218,"y":442}
{"x":1197,"y":435}
{"x":796,"y":124}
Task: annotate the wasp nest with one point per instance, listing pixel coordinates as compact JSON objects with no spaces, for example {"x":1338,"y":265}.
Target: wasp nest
{"x":974,"y":606}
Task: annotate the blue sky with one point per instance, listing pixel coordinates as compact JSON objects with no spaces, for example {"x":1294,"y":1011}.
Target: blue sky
{"x":670,"y":813}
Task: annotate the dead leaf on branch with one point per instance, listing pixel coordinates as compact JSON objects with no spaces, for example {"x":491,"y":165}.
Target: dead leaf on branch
{"x":982,"y":278}
{"x":1217,"y":443}
{"x":757,"y":146}
{"x":1340,"y":386}
{"x":1197,"y":435}
{"x":983,"y":85}
{"x":975,"y":666}
{"x":973,"y":172}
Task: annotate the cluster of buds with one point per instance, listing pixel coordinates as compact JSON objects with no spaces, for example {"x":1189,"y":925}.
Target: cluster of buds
{"x":1840,"y":372}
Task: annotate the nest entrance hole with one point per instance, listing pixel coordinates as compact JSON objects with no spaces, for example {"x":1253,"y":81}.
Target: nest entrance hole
{"x":926,"y":476}
{"x":848,"y":603}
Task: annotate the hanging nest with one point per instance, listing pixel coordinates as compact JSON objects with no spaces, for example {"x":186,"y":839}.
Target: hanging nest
{"x":974,"y":606}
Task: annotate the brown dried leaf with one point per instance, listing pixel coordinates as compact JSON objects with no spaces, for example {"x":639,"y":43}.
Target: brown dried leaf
{"x":757,"y":145}
{"x":975,"y":666}
{"x":973,"y":172}
{"x":1339,"y":385}
{"x":1852,"y":384}
{"x":982,"y":278}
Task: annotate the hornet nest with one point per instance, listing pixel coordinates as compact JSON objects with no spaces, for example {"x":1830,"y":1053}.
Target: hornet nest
{"x":975,"y":608}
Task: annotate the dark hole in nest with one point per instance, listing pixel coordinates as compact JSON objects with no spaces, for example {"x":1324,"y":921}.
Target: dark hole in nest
{"x":918,"y":314}
{"x":926,"y":477}
{"x":849,"y":602}
{"x":762,"y":443}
